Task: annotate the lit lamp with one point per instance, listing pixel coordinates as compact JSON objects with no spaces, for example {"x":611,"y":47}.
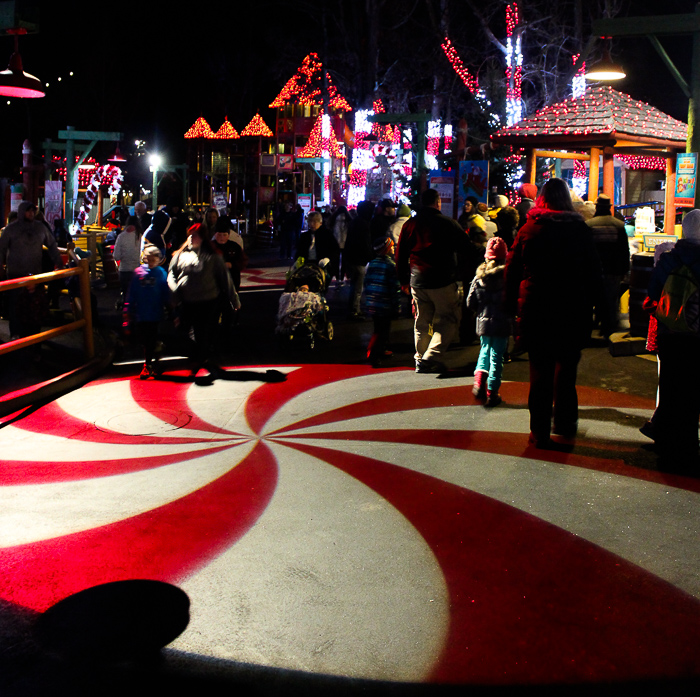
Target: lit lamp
{"x":14,"y":82}
{"x":155,"y":161}
{"x":605,"y":69}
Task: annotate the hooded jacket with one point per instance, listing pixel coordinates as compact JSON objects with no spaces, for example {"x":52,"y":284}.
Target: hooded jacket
{"x":487,"y":300}
{"x":156,"y":232}
{"x":22,"y":243}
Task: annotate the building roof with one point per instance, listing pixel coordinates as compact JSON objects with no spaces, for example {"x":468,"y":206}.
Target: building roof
{"x":601,"y":113}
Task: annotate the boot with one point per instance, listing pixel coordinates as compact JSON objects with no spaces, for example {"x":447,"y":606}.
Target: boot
{"x":479,"y":389}
{"x":493,"y":399}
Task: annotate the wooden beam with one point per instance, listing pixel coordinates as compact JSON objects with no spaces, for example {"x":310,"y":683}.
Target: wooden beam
{"x":593,"y":174}
{"x":609,"y":173}
{"x":562,"y":155}
{"x":530,"y":166}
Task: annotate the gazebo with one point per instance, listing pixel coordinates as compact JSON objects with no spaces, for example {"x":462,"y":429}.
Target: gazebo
{"x":601,"y":122}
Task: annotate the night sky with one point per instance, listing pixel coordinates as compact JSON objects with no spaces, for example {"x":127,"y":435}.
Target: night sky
{"x":149,"y":70}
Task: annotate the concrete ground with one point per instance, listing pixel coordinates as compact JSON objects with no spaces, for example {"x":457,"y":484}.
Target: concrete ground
{"x":337,"y":527}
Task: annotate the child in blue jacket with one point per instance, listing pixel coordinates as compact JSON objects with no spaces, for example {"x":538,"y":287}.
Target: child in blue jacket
{"x":148,"y":297}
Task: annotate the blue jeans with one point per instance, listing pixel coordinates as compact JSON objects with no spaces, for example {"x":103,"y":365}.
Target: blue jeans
{"x":491,"y":359}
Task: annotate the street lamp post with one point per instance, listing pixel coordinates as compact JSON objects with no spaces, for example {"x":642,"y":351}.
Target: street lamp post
{"x":155,"y":161}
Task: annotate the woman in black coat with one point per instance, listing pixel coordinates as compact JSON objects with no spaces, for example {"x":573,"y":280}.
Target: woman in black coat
{"x":552,"y":277}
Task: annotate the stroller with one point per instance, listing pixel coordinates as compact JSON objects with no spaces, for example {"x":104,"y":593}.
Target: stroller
{"x":302,"y":315}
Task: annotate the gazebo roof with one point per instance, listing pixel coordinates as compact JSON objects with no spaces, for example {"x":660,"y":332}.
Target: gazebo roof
{"x":601,"y":114}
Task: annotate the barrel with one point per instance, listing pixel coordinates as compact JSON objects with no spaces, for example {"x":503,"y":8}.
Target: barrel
{"x":640,"y":275}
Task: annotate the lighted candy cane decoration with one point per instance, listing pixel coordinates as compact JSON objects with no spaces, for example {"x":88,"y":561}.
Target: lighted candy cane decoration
{"x":106,"y":173}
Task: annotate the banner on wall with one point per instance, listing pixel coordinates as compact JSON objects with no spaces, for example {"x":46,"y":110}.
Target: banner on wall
{"x":53,"y":201}
{"x":444,"y":182}
{"x":686,"y":179}
{"x":473,"y":181}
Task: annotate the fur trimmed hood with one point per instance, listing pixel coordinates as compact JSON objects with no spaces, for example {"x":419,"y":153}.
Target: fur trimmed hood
{"x":543,"y":215}
{"x":491,"y":267}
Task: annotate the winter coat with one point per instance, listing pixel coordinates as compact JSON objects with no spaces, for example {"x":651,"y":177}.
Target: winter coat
{"x":200,"y":276}
{"x":552,"y":278}
{"x":684,"y":253}
{"x":127,"y":251}
{"x":610,"y":239}
{"x":358,"y":249}
{"x":148,"y":294}
{"x":156,"y":232}
{"x":324,"y":246}
{"x":432,"y":249}
{"x":382,"y":288}
{"x":486,"y":298}
{"x":22,"y":243}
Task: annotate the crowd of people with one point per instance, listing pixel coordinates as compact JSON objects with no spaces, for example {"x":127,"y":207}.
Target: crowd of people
{"x":533,"y":277}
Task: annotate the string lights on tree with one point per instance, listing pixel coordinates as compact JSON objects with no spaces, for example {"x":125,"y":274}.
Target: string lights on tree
{"x":578,"y":83}
{"x":514,"y":67}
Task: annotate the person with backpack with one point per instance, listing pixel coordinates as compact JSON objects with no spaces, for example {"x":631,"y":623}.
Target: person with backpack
{"x":675,"y":287}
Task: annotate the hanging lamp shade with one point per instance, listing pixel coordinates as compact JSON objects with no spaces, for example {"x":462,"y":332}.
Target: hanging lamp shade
{"x":14,"y":82}
{"x":117,"y":157}
{"x":605,"y":69}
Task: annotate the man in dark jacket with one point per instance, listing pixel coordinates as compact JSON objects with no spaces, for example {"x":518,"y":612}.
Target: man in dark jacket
{"x":358,"y":252}
{"x":21,"y":253}
{"x":431,"y":246}
{"x":610,"y":240}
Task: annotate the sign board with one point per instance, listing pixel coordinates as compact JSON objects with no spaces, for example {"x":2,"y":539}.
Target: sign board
{"x":473,"y":181}
{"x":444,"y":182}
{"x":53,"y":201}
{"x":650,"y":241}
{"x":220,"y":202}
{"x":686,"y":179}
{"x":306,"y":203}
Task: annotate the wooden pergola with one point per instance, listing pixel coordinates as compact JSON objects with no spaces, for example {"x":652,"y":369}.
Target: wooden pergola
{"x":601,"y":122}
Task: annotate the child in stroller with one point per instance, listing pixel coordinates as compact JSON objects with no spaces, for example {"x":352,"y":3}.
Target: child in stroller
{"x":303,"y":311}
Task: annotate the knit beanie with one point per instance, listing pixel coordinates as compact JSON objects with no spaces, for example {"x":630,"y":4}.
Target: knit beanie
{"x":691,"y":226}
{"x":496,"y":248}
{"x":404,"y":211}
{"x":528,"y":191}
{"x":500,"y":201}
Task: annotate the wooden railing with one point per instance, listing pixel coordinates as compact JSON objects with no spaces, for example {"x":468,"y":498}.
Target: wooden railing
{"x":82,"y":309}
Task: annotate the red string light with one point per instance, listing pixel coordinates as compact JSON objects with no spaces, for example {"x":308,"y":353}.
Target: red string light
{"x":317,"y":144}
{"x":226,"y":132}
{"x":464,"y":75}
{"x":200,"y":129}
{"x":257,"y":127}
{"x":306,"y":87}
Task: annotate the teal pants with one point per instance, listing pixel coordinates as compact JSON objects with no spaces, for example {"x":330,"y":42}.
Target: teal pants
{"x":490,"y":360}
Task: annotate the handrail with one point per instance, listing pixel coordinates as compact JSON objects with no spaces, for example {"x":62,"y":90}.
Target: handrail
{"x":84,"y":323}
